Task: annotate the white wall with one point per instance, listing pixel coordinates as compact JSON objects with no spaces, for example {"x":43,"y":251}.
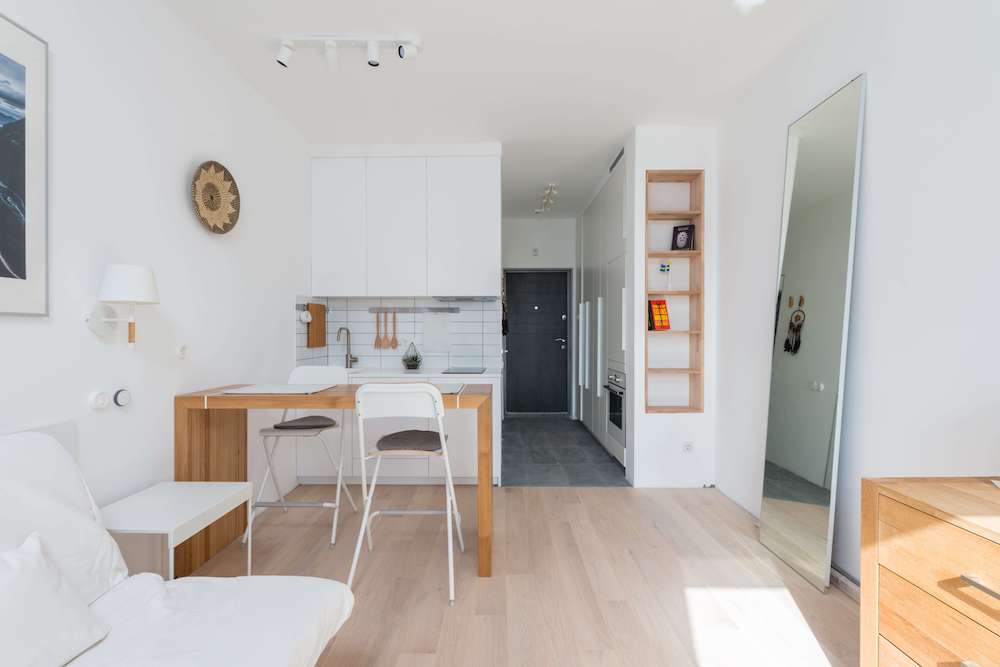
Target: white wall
{"x":136,"y":103}
{"x":656,"y":440}
{"x":554,"y":241}
{"x":922,"y":396}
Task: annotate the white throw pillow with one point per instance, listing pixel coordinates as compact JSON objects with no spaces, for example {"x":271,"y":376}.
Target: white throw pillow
{"x":43,"y":621}
{"x":81,"y":548}
{"x":42,"y":490}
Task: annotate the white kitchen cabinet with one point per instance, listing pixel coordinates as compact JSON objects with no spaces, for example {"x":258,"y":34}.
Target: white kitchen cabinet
{"x":396,"y":229}
{"x":338,"y":227}
{"x":463,"y":226}
{"x":603,"y":263}
{"x":614,"y":287}
{"x":460,"y":426}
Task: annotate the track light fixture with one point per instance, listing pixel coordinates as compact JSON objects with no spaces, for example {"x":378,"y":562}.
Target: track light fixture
{"x":285,"y":52}
{"x":330,"y":55}
{"x":406,"y":46}
{"x":407,"y":50}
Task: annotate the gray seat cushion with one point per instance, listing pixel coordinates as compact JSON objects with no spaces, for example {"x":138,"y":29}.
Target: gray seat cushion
{"x":412,"y":440}
{"x":310,"y":422}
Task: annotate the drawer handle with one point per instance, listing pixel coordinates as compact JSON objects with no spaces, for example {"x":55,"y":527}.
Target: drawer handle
{"x":976,"y":582}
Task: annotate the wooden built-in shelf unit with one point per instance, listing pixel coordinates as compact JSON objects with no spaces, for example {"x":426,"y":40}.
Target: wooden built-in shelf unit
{"x":675,"y":358}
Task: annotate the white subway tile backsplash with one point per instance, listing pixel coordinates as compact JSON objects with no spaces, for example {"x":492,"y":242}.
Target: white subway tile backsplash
{"x":474,"y":333}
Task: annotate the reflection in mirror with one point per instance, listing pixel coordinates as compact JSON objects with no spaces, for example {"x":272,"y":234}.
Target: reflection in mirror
{"x":810,"y":335}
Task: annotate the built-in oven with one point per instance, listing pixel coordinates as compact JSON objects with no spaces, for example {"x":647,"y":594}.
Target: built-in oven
{"x":616,"y":387}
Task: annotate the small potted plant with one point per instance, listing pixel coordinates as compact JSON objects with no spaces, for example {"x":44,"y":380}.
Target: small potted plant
{"x":411,"y":358}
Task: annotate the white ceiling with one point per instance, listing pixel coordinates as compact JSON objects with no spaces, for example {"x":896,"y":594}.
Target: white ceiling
{"x":558,"y":82}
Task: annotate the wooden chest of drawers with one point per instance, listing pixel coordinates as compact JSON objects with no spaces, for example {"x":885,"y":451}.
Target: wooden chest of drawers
{"x":930,"y":572}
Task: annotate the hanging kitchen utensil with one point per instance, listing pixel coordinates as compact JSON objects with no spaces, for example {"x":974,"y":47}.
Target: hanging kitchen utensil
{"x":394,"y":343}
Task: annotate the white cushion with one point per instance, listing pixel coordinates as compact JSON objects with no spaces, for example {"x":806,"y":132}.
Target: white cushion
{"x":42,"y":619}
{"x":268,"y":621}
{"x":42,"y":490}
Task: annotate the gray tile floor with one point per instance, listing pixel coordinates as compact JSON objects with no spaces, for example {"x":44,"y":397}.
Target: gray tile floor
{"x":785,"y":485}
{"x":554,"y":450}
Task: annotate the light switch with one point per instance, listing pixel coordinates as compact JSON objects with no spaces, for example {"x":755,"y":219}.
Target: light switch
{"x":99,"y":399}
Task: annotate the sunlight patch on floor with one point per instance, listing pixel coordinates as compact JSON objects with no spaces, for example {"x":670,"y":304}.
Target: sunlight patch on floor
{"x":771,"y":630}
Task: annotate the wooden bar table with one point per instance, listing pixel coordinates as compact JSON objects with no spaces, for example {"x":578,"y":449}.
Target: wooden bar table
{"x":210,"y":445}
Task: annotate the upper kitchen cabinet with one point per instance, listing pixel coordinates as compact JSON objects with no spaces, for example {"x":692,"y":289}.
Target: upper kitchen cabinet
{"x":406,"y":221}
{"x":463,"y":226}
{"x":396,"y":207}
{"x":338,"y":227}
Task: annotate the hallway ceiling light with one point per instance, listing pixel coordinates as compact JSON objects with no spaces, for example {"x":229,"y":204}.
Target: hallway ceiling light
{"x":548,"y":198}
{"x":406,"y":46}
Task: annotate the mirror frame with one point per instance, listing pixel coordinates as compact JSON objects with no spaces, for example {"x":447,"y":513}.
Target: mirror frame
{"x":787,"y":188}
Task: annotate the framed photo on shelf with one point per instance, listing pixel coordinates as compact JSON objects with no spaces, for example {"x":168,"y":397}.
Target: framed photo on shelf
{"x":23,"y":171}
{"x":683,"y":238}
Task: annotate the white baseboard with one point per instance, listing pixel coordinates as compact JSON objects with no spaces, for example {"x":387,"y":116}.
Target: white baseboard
{"x":840,"y":580}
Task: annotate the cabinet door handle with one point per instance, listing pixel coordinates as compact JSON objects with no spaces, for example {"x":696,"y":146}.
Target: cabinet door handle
{"x":600,"y":338}
{"x":976,"y":582}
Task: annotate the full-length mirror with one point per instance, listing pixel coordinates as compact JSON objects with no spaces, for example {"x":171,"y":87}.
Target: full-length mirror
{"x":810,"y":334}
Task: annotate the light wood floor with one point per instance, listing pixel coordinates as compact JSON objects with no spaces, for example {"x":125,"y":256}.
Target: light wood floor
{"x":581,"y":576}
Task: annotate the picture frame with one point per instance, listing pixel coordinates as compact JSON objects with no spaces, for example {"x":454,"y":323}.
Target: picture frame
{"x":682,"y":238}
{"x":24,"y":269}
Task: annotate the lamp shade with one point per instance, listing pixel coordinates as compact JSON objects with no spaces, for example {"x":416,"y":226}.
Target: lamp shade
{"x":128,"y":283}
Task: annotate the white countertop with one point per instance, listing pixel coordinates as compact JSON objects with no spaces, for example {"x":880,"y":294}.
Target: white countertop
{"x":491,"y":373}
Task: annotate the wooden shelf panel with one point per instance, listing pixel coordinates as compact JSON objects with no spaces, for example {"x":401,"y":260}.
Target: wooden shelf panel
{"x":681,"y":204}
{"x":674,"y":371}
{"x":667,"y":254}
{"x":675,"y":292}
{"x":673,"y":176}
{"x":672,"y":409}
{"x":660,"y":216}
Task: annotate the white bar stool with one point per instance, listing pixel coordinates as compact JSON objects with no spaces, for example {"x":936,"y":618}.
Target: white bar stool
{"x":312,"y":426}
{"x":417,"y":400}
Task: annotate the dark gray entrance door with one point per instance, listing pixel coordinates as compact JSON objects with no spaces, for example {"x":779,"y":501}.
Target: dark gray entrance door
{"x":537,"y":345}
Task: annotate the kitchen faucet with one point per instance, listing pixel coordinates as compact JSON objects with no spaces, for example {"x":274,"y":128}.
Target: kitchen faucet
{"x":349,"y":359}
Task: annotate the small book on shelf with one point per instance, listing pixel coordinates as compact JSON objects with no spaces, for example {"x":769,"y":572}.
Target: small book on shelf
{"x":658,"y":318}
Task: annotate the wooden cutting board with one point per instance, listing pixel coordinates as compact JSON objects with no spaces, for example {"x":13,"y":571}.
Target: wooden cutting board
{"x":316,"y":330}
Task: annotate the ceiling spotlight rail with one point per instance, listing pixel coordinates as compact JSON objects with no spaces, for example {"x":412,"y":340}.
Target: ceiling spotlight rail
{"x":404,"y":45}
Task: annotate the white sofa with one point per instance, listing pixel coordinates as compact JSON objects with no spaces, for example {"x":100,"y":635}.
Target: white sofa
{"x":258,"y":620}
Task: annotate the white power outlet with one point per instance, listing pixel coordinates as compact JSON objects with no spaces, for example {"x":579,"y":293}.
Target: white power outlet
{"x":687,"y":447}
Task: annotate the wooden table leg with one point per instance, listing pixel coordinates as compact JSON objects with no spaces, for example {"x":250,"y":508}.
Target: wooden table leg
{"x":209,"y":446}
{"x":484,"y":489}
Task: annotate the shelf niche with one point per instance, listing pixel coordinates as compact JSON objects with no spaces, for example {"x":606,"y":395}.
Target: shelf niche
{"x":675,"y":358}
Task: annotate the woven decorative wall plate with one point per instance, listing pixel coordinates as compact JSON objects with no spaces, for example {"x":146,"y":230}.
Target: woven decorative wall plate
{"x":216,"y":197}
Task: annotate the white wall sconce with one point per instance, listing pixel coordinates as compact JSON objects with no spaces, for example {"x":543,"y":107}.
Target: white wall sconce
{"x":127,"y":284}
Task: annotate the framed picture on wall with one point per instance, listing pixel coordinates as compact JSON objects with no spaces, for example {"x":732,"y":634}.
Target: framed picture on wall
{"x":23,"y":171}
{"x":683,"y":238}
